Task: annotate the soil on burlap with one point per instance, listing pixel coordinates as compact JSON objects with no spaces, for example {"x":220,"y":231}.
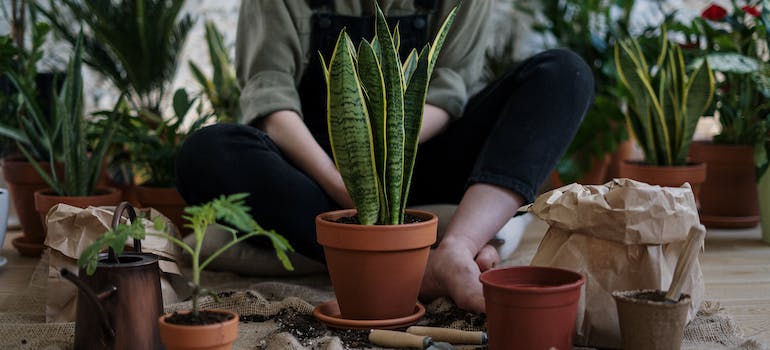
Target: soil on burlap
{"x":306,"y":328}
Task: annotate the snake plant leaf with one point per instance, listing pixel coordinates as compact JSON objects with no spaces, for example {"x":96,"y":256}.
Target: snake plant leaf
{"x":397,"y":38}
{"x":641,"y":125}
{"x":394,"y":91}
{"x":438,"y":42}
{"x":658,"y":121}
{"x":414,"y":106}
{"x":697,"y":97}
{"x":370,"y":72}
{"x":409,"y":66}
{"x":324,"y":67}
{"x":350,"y":132}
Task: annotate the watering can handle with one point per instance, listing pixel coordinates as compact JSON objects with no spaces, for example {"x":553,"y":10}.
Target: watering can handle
{"x":124,"y":206}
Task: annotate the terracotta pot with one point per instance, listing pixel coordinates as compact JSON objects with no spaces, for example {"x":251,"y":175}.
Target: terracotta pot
{"x":166,"y":200}
{"x":220,"y":336}
{"x":531,"y":307}
{"x":666,"y":176}
{"x":650,"y":325}
{"x":46,"y":199}
{"x":376,"y":270}
{"x":23,"y":180}
{"x":764,"y":204}
{"x":625,"y":151}
{"x":728,"y":197}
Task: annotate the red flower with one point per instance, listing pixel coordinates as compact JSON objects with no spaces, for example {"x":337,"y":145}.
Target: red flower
{"x":714,"y":13}
{"x":752,"y":10}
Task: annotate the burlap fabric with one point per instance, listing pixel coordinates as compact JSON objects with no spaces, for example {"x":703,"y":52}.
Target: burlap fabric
{"x":277,"y":315}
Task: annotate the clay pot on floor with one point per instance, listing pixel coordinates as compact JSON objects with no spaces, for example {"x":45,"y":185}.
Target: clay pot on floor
{"x":376,"y":270}
{"x":23,"y":180}
{"x":218,"y":336}
{"x":647,"y":322}
{"x":531,"y":307}
{"x":666,"y":176}
{"x":166,"y":200}
{"x":46,"y":199}
{"x":728,"y":198}
{"x":625,"y":151}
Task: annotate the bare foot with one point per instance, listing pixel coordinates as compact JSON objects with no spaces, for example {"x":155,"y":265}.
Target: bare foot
{"x":487,"y":258}
{"x":453,"y":272}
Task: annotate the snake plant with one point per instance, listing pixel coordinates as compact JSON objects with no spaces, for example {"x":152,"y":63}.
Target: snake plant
{"x":375,"y":107}
{"x":665,"y":102}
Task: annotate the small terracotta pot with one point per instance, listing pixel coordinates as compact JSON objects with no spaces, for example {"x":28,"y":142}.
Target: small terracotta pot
{"x":376,"y":270}
{"x":220,"y":336}
{"x":46,"y":199}
{"x":728,"y":198}
{"x":23,"y":180}
{"x":650,"y":325}
{"x":764,"y":204}
{"x":531,"y":307}
{"x":166,"y":200}
{"x":666,"y":176}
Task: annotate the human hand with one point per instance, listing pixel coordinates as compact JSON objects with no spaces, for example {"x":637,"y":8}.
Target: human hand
{"x":453,"y":270}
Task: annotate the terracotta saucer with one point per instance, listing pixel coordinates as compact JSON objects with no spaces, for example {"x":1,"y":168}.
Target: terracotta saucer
{"x":329,"y":314}
{"x":716,"y":221}
{"x":27,"y":248}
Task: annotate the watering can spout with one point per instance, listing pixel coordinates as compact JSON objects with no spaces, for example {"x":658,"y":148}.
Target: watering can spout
{"x":95,"y":298}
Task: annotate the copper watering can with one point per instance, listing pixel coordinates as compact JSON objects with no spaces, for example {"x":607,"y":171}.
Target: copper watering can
{"x":119,"y":305}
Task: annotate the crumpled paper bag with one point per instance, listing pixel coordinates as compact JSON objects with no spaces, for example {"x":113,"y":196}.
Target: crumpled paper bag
{"x":622,"y":235}
{"x":72,"y":229}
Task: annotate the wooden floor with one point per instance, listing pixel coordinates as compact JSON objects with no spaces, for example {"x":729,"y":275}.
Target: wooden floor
{"x":736,"y":266}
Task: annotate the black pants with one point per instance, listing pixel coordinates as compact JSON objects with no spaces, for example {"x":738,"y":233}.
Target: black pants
{"x":511,"y":135}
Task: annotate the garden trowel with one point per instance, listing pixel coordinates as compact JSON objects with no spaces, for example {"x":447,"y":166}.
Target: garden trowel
{"x":393,"y":339}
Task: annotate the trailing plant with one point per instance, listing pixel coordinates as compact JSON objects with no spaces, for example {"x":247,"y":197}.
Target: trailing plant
{"x":135,"y":43}
{"x":228,"y":212}
{"x":375,"y":108}
{"x":664,"y":102}
{"x":65,"y":134}
{"x":221,"y":89}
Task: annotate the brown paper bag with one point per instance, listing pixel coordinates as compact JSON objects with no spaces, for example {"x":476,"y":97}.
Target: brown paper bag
{"x":71,"y":230}
{"x":622,"y":235}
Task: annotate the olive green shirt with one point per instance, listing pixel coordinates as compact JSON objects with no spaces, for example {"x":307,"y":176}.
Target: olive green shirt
{"x":273,"y":41}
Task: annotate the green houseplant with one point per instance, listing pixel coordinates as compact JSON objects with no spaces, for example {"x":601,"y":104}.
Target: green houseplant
{"x":221,"y":89}
{"x":134,"y":43}
{"x":664,"y":105}
{"x":18,"y":67}
{"x":733,"y":42}
{"x":375,"y":107}
{"x":197,"y":328}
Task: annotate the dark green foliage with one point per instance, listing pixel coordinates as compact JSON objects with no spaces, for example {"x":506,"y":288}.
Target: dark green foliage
{"x":135,"y":43}
{"x":221,"y":89}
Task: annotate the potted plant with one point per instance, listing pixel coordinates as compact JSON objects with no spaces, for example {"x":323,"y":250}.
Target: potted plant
{"x":76,"y":183}
{"x":141,"y":72}
{"x":194,"y":329}
{"x":733,"y":43}
{"x":376,"y":254}
{"x":664,"y":104}
{"x":19,"y":72}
